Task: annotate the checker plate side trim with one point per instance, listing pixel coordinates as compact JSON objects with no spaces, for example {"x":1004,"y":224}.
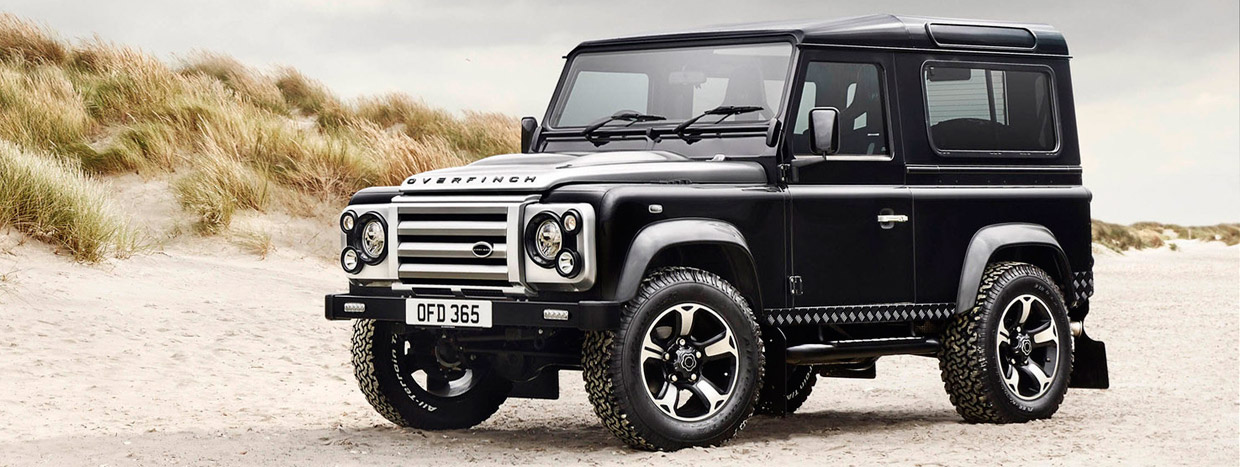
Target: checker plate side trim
{"x":855,"y":314}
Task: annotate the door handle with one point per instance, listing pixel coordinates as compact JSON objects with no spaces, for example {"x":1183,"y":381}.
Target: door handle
{"x":889,"y":218}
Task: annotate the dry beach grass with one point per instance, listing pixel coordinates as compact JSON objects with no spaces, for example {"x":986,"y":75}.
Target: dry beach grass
{"x":1142,"y":235}
{"x":51,"y":200}
{"x":232,"y":137}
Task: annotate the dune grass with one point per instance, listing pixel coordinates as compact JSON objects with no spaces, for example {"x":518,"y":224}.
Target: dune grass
{"x":40,"y":109}
{"x":1229,"y":234}
{"x":309,"y":97}
{"x":29,"y":41}
{"x":218,"y":188}
{"x":228,"y":133}
{"x":51,"y":200}
{"x":478,"y":134}
{"x":245,"y":84}
{"x":1142,"y":235}
{"x":256,"y":242}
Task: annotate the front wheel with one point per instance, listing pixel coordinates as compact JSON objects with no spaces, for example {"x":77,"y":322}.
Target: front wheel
{"x":683,"y":369}
{"x":1008,"y":359}
{"x":415,"y":381}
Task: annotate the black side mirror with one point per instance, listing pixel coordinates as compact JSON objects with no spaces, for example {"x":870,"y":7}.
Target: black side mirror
{"x":528,"y":126}
{"x":824,"y":135}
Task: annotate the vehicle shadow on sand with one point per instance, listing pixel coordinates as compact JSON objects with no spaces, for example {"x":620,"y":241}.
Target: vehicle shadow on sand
{"x":586,"y":433}
{"x":768,"y":428}
{"x":566,"y":439}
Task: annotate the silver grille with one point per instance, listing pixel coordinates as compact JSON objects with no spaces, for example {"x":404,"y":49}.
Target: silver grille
{"x":436,"y":240}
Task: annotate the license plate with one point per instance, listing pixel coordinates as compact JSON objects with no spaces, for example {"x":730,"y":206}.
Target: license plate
{"x":460,"y":313}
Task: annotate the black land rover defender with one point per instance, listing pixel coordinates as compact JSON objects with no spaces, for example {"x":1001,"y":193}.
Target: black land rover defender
{"x":705,"y":222}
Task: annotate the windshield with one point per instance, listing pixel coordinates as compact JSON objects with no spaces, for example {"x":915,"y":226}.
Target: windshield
{"x":677,"y":84}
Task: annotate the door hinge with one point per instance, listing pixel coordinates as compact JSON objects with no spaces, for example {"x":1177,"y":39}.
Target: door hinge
{"x":787,"y":173}
{"x":795,"y":285}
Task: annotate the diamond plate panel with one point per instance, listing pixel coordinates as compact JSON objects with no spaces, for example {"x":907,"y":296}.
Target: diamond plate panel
{"x":857,"y":314}
{"x":1082,"y":285}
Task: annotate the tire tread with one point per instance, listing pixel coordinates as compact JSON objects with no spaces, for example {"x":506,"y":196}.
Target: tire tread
{"x":963,"y":365}
{"x":600,"y":365}
{"x":384,"y":388}
{"x":364,"y":369}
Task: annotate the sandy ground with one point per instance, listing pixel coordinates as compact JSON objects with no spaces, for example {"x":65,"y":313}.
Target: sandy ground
{"x":205,"y":354}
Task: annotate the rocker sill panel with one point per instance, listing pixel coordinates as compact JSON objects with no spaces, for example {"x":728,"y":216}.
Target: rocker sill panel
{"x":854,"y":314}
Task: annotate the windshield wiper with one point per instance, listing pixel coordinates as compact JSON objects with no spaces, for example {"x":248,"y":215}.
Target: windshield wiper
{"x":626,"y":116}
{"x":724,"y":110}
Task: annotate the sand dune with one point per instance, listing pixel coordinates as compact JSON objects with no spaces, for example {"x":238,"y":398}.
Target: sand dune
{"x":203,"y":353}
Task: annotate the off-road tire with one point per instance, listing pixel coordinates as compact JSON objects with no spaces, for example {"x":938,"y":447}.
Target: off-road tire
{"x":625,"y":410}
{"x":970,"y":369}
{"x":801,"y":381}
{"x":393,"y":393}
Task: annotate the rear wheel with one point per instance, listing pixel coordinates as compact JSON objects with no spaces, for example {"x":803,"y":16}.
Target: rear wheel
{"x":683,"y":369}
{"x":415,"y":380}
{"x":1008,"y":359}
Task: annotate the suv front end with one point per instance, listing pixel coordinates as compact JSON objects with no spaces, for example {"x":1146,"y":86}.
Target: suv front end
{"x":494,"y":255}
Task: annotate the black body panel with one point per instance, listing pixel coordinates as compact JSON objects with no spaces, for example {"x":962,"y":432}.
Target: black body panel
{"x":948,"y":217}
{"x":757,"y":212}
{"x":842,"y":253}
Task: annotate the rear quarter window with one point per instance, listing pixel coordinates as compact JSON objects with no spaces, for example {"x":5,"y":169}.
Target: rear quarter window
{"x":989,"y":109}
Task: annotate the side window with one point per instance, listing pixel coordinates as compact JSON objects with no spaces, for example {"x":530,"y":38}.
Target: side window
{"x":975,"y":108}
{"x":856,"y":90}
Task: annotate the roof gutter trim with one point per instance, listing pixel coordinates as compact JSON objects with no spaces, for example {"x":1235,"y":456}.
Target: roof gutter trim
{"x":945,"y":50}
{"x":655,"y":40}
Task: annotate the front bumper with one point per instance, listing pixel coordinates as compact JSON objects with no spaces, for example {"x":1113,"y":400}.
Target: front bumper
{"x":588,"y":316}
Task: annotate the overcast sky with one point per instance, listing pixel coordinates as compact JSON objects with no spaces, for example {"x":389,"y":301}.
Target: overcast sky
{"x":1157,"y":83}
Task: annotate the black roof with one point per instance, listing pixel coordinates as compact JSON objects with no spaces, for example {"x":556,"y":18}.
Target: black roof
{"x":883,"y":31}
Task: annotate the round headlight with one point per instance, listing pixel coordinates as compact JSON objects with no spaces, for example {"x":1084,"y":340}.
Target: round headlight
{"x":543,"y":239}
{"x":548,"y":239}
{"x":571,"y":222}
{"x":349,"y":260}
{"x":373,"y":239}
{"x":567,"y":263}
{"x":347,"y":220}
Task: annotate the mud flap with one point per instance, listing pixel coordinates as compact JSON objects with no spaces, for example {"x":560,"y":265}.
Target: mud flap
{"x":1089,"y":365}
{"x":776,"y":369}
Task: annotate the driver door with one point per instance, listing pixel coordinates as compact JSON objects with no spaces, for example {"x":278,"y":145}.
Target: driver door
{"x":843,"y":253}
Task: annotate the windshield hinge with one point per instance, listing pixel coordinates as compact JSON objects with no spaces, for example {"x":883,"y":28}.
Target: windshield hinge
{"x":787,"y":173}
{"x":795,"y":285}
